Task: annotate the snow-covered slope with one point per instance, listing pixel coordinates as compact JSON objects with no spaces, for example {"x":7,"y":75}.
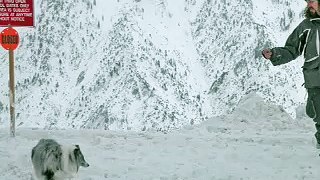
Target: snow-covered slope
{"x":229,"y":38}
{"x":138,"y":64}
{"x":262,"y":144}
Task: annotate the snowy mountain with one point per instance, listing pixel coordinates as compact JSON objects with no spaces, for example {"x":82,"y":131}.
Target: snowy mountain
{"x":159,"y":64}
{"x":229,"y":38}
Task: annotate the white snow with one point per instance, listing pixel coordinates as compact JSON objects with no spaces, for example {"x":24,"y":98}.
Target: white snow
{"x":257,"y":141}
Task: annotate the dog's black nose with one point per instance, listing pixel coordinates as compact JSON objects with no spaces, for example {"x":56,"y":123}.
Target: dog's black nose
{"x":85,"y":165}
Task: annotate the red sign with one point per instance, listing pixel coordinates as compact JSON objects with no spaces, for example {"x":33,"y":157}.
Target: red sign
{"x":9,"y":39}
{"x":16,"y":13}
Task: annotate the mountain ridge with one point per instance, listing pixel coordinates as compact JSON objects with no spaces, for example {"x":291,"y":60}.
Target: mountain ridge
{"x":147,"y":64}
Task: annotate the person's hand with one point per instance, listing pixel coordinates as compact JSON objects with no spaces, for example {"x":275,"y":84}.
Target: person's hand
{"x":266,"y":53}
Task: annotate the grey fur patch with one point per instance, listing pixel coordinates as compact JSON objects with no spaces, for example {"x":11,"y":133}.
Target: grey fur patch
{"x":46,"y":158}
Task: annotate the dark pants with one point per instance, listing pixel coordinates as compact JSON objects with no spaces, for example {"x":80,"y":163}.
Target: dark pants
{"x":313,"y":108}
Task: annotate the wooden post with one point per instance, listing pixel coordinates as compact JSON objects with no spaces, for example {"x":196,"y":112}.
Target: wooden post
{"x":12,"y":94}
{"x":9,"y":40}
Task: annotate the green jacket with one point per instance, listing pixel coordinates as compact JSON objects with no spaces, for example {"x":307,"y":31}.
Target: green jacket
{"x":303,"y":40}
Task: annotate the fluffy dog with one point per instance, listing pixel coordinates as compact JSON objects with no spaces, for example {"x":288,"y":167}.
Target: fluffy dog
{"x":52,"y":161}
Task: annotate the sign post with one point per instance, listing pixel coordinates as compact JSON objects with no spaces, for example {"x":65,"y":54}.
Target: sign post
{"x":12,"y":95}
{"x":9,"y":39}
{"x":14,"y":13}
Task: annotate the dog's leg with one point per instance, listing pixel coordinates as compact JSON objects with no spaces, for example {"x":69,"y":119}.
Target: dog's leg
{"x":48,"y":175}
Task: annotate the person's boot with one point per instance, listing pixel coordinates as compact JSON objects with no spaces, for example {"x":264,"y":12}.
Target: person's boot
{"x":317,"y":135}
{"x":317,"y":141}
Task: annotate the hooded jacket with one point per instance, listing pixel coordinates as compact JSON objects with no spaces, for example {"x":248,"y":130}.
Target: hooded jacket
{"x":305,"y":39}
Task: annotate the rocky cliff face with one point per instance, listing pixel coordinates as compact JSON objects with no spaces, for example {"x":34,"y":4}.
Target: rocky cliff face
{"x":138,"y":65}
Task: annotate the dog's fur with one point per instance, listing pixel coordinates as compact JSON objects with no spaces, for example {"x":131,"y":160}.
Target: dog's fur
{"x":52,"y":161}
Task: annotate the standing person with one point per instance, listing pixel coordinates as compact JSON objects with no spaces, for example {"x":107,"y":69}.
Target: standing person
{"x":305,"y":39}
